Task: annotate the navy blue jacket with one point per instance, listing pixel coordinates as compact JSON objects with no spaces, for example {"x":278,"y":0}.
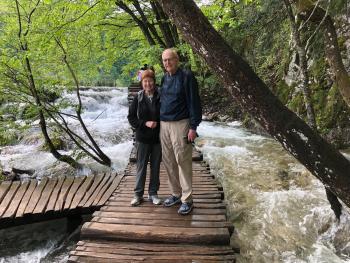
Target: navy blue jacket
{"x":180,"y":98}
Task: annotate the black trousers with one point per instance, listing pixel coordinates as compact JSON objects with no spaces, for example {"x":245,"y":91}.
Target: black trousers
{"x":151,"y":153}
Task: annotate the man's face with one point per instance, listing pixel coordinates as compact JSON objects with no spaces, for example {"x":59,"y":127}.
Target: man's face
{"x":170,"y":61}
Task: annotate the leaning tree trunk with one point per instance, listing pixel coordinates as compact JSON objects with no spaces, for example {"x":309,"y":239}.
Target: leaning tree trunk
{"x":318,"y":156}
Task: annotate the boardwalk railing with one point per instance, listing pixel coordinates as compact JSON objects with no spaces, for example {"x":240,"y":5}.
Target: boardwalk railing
{"x":32,"y":201}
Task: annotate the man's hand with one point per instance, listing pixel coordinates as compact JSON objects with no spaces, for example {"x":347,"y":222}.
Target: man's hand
{"x":191,"y":135}
{"x":151,"y":124}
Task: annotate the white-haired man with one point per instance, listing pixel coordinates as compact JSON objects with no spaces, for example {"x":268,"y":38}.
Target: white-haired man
{"x":180,"y":114}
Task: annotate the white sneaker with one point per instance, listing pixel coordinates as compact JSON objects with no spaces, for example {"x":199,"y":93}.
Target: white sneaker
{"x":155,"y":199}
{"x":136,"y":201}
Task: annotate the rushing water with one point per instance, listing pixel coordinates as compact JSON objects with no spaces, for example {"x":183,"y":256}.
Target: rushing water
{"x":279,"y":210}
{"x":105,"y":111}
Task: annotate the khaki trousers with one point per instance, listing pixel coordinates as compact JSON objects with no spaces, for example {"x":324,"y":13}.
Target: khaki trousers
{"x":177,"y":157}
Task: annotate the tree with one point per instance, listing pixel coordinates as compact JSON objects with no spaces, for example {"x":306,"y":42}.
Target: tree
{"x":316,"y":14}
{"x":318,"y":156}
{"x":43,"y":69}
{"x":301,"y":49}
{"x":303,"y":71}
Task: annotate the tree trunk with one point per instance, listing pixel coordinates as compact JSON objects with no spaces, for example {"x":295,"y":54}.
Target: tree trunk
{"x":318,"y":156}
{"x":164,"y":25}
{"x":318,"y":15}
{"x":141,"y":25}
{"x":150,"y":27}
{"x":304,"y":74}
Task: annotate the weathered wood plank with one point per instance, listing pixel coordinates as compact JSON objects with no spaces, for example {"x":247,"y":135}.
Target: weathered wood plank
{"x":147,"y":203}
{"x":72,"y":191}
{"x":63,"y":193}
{"x":97,"y":190}
{"x":45,"y":196}
{"x":97,"y":181}
{"x":104,"y":189}
{"x":6,"y":202}
{"x":4,"y":187}
{"x":54,"y":196}
{"x":161,"y":210}
{"x":218,"y":236}
{"x":81,"y":192}
{"x":158,"y":222}
{"x":147,"y":216}
{"x":25,"y":200}
{"x":108,"y":253}
{"x":156,"y":247}
{"x":110,"y":190}
{"x":35,"y":196}
{"x":11,"y":211}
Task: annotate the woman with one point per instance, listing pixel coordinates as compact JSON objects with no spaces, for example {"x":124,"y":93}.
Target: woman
{"x":144,"y":118}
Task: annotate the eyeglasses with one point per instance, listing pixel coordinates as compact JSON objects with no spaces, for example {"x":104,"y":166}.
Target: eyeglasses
{"x":168,"y":59}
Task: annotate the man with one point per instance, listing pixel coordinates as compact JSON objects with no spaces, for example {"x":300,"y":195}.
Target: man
{"x":180,"y":114}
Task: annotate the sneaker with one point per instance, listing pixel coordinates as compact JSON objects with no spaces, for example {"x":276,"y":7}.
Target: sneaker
{"x":136,"y":201}
{"x":155,"y":199}
{"x":172,"y":200}
{"x":185,"y":208}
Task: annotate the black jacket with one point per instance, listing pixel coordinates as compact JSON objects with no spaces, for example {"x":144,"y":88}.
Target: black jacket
{"x":180,"y":98}
{"x":141,"y":111}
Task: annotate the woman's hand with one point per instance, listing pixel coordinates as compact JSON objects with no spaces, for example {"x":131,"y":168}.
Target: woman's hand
{"x":151,"y":124}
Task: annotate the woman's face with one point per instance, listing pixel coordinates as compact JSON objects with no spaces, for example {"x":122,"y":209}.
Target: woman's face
{"x":148,"y":85}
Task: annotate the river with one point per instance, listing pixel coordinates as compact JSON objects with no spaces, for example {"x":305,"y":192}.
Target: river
{"x":280,"y":211}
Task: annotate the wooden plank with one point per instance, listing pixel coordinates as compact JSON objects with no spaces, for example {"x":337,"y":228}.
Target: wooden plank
{"x":165,"y":194}
{"x":195,"y":199}
{"x":87,"y":259}
{"x":63,"y":193}
{"x":162,"y":210}
{"x":147,"y":203}
{"x":4,"y":187}
{"x":11,"y":211}
{"x":25,"y":200}
{"x":147,"y":216}
{"x":138,"y":252}
{"x":158,"y":222}
{"x":54,"y":196}
{"x":104,"y":189}
{"x":97,"y":190}
{"x":97,"y":181}
{"x":72,"y":191}
{"x":137,"y":257}
{"x":110,"y":190}
{"x":45,"y":196}
{"x":6,"y":202}
{"x":81,"y":192}
{"x":157,"y":247}
{"x":218,"y":236}
{"x":35,"y":196}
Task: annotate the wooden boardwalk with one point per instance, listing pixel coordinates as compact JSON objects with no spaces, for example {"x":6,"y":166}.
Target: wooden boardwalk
{"x":150,"y":233}
{"x":32,"y":201}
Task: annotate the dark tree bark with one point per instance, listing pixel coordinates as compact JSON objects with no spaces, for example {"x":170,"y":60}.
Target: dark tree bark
{"x":23,"y":46}
{"x":318,"y":15}
{"x":304,"y":74}
{"x":145,"y":21}
{"x":101,"y":156}
{"x":139,"y":22}
{"x":318,"y":156}
{"x":164,"y":25}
